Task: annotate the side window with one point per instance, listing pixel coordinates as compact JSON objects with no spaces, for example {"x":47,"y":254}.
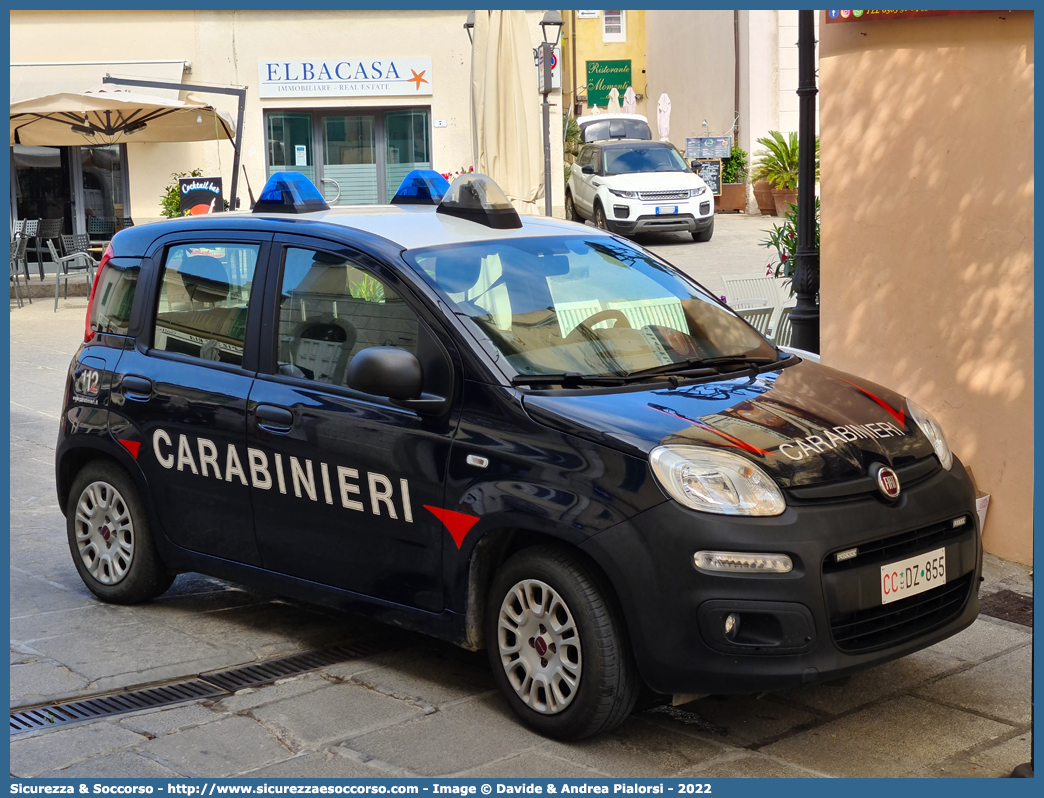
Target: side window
{"x":330,"y":309}
{"x":204,"y":294}
{"x":114,"y":298}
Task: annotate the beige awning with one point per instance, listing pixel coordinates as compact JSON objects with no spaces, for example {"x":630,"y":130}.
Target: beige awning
{"x":505,"y":115}
{"x":110,"y":115}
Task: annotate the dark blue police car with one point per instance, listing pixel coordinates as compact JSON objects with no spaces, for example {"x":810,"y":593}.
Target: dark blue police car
{"x":519,"y":434}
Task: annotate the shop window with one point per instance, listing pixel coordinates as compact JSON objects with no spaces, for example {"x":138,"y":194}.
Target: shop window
{"x":614,"y":26}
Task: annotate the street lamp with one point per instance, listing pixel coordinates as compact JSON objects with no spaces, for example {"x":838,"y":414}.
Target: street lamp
{"x":469,"y":26}
{"x":551,"y":25}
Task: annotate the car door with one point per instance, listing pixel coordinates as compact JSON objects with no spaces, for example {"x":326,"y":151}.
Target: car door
{"x":179,"y":399}
{"x":350,"y":482}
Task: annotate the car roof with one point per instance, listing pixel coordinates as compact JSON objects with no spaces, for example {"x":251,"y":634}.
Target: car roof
{"x":408,"y":226}
{"x":583,"y":121}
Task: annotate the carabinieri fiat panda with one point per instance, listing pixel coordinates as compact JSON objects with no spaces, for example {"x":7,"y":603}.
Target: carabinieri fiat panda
{"x":520,"y":434}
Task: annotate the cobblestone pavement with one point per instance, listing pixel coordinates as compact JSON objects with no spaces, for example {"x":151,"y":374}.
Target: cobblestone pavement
{"x":420,"y":707}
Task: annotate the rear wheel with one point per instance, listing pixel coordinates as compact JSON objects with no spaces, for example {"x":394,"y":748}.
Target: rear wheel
{"x":110,"y":538}
{"x":558,"y":648}
{"x":570,"y":209}
{"x":704,"y":235}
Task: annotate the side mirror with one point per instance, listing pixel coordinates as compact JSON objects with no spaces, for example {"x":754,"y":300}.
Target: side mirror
{"x":588,"y":170}
{"x":386,"y":371}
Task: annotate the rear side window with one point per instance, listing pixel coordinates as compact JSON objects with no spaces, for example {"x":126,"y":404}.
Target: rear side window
{"x":204,"y":296}
{"x":114,"y":298}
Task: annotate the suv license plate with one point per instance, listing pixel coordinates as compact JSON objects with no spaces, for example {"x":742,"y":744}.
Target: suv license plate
{"x":913,"y":575}
{"x":666,"y":209}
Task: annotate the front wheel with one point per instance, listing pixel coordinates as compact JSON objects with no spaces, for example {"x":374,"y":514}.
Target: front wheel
{"x":600,"y":220}
{"x":110,"y":538}
{"x":704,"y":235}
{"x":558,"y":649}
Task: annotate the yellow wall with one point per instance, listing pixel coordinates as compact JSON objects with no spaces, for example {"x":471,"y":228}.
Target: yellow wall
{"x":590,"y":47}
{"x":927,"y":234}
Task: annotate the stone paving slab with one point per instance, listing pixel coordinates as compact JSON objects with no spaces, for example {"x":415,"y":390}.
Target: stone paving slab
{"x":121,"y":765}
{"x":735,"y":720}
{"x":532,"y":764}
{"x":33,"y":755}
{"x":746,"y":765}
{"x":907,"y":733}
{"x":316,"y":765}
{"x":225,"y":747}
{"x":998,"y":688}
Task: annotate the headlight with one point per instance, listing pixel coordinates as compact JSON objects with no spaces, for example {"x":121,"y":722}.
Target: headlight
{"x":625,"y":194}
{"x":715,"y":482}
{"x":933,"y":432}
{"x":695,"y":192}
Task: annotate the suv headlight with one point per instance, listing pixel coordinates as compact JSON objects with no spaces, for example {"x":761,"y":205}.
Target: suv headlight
{"x":695,"y":192}
{"x":624,"y":194}
{"x":933,"y":432}
{"x":715,"y":482}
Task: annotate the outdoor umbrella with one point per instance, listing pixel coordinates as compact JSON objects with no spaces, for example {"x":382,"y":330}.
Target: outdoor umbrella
{"x":663,"y":116}
{"x":505,"y":123}
{"x":613,"y":106}
{"x":630,"y":106}
{"x":109,"y":116}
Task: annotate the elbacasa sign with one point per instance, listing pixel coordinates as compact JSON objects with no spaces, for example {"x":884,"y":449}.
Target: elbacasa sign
{"x":342,"y":78}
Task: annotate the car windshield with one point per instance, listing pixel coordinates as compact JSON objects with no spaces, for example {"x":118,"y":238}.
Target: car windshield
{"x":626,"y":160}
{"x":586,"y":306}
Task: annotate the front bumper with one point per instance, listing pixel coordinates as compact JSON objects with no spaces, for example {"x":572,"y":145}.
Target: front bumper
{"x":630,"y":216}
{"x":819,"y":621}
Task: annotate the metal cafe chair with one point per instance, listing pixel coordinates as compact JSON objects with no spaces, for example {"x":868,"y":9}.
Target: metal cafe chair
{"x":79,"y":243}
{"x":758,"y":318}
{"x":123,"y":222}
{"x":46,"y":230}
{"x":65,"y":269}
{"x":100,"y":229}
{"x":18,"y":246}
{"x":29,"y":229}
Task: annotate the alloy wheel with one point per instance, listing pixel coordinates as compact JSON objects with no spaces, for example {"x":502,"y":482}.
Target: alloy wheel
{"x":539,"y":646}
{"x":104,"y":533}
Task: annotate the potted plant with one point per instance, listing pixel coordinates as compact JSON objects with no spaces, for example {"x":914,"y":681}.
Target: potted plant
{"x":782,"y":243}
{"x":777,"y":164}
{"x":733,"y":182}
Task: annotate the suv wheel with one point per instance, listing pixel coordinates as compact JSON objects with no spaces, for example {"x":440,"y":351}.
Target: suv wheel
{"x":570,"y":209}
{"x":558,"y":649}
{"x":600,"y":220}
{"x":110,"y":539}
{"x":704,"y":235}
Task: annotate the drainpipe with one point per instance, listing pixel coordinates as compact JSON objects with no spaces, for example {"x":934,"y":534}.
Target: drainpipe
{"x":736,"y":75}
{"x":572,"y":27}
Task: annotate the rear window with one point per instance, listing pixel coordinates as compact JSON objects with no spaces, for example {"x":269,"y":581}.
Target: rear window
{"x":114,"y":297}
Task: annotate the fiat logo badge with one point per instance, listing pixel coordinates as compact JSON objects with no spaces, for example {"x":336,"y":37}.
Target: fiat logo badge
{"x":888,"y":482}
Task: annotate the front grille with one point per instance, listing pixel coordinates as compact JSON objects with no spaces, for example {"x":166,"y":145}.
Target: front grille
{"x":901,"y":546}
{"x":656,"y":196}
{"x":892,"y":624}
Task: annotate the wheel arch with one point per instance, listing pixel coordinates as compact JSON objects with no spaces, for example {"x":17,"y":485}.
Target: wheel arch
{"x":74,"y":459}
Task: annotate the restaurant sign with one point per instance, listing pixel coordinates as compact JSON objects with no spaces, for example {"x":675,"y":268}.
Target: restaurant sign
{"x":344,"y":78}
{"x":602,"y":76}
{"x":874,"y":15}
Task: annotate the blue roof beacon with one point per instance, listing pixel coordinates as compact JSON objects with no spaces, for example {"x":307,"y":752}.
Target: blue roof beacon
{"x":290,"y":192}
{"x":421,"y":187}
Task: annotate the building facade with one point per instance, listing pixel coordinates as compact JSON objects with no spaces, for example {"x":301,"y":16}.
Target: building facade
{"x":600,"y":50}
{"x":927,"y":233}
{"x":354,"y":99}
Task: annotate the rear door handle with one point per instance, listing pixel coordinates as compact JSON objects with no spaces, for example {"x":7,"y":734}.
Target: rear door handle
{"x":137,"y":388}
{"x":273,"y":418}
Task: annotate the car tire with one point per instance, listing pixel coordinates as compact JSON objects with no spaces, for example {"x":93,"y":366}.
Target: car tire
{"x":570,"y":209}
{"x":599,"y":217}
{"x":586,"y":680}
{"x":110,"y":538}
{"x":704,"y":235}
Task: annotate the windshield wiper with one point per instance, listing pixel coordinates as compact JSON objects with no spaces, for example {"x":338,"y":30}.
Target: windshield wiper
{"x":568,"y":378}
{"x":699,"y":366}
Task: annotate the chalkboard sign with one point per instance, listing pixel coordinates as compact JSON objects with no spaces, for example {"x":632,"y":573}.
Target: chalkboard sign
{"x":710,"y":171}
{"x":708,"y":147}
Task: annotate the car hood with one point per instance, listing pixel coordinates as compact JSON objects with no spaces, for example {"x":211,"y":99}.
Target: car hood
{"x":653,"y":181}
{"x":806,"y":424}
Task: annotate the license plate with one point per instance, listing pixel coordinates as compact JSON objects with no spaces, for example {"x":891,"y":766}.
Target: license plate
{"x":666,"y":209}
{"x":913,"y":575}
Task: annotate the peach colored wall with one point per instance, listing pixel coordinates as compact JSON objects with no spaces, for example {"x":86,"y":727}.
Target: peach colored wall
{"x":927,"y":234}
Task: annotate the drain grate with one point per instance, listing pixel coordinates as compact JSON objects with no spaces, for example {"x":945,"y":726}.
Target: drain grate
{"x":205,"y":686}
{"x":1008,"y":606}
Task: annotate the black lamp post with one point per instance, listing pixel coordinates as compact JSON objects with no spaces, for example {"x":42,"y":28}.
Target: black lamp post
{"x":551,"y":25}
{"x":805,"y":316}
{"x":469,"y":26}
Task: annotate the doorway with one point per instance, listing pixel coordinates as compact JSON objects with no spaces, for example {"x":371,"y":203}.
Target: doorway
{"x":354,"y":157}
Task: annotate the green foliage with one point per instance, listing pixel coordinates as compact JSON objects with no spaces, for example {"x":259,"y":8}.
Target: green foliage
{"x":782,"y":242}
{"x":573,"y":141}
{"x":170,"y":200}
{"x":367,"y":289}
{"x":734,"y":168}
{"x":778,"y":162}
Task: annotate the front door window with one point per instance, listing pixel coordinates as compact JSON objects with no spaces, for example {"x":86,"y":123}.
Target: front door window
{"x":349,"y":160}
{"x":406,"y":133}
{"x":290,"y":143}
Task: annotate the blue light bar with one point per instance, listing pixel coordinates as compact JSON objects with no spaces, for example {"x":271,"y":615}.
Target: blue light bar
{"x":421,"y":187}
{"x":290,"y":192}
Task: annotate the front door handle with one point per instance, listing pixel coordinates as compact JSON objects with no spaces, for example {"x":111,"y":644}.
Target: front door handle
{"x":137,"y":388}
{"x":273,"y":418}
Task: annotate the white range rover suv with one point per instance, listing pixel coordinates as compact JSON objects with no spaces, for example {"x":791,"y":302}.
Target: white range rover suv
{"x":634,"y":186}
